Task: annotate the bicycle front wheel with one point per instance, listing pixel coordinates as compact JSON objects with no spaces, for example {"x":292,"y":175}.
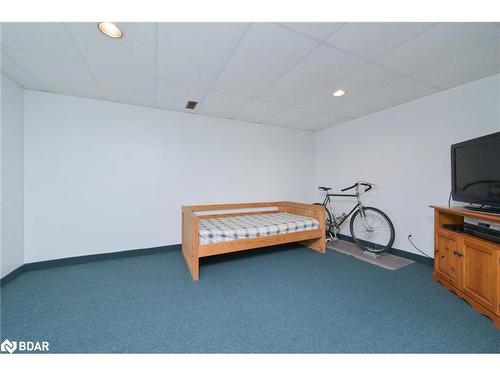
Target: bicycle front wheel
{"x":372,"y":230}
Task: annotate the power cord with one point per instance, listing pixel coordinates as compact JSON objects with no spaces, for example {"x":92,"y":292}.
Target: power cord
{"x":449,"y":200}
{"x":409,"y":239}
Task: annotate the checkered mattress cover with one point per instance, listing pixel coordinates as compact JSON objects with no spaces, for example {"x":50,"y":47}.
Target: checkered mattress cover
{"x":232,"y":228}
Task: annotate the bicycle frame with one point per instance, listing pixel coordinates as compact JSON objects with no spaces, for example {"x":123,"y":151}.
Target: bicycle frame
{"x":338,"y":221}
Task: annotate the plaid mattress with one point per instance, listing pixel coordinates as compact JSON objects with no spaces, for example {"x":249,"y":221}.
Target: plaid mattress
{"x":232,"y":228}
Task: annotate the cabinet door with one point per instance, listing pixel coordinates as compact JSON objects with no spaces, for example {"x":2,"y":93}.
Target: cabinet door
{"x":498,"y":283}
{"x":447,"y":260}
{"x":479,"y":272}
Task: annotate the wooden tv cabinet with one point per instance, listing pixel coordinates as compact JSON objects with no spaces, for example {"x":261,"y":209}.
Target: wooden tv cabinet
{"x":467,"y":265}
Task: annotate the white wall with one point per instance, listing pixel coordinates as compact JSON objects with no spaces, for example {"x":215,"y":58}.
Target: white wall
{"x":406,"y":150}
{"x":12,"y":185}
{"x":103,"y":177}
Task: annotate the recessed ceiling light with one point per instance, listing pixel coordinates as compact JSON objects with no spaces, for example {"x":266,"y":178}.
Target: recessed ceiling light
{"x":110,"y":29}
{"x":339,"y":92}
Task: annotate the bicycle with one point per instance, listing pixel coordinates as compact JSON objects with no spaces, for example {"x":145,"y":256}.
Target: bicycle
{"x":371,"y":229}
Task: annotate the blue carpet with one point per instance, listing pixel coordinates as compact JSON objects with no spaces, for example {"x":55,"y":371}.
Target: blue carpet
{"x":285,"y":299}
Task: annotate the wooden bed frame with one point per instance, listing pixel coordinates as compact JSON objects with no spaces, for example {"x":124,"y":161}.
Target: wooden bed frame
{"x":193,"y":251}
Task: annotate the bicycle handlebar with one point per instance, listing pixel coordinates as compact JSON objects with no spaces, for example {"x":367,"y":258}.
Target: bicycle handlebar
{"x":368,"y":186}
{"x":350,"y":187}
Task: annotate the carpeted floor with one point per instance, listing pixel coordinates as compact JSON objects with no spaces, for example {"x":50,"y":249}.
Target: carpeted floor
{"x":287,"y":299}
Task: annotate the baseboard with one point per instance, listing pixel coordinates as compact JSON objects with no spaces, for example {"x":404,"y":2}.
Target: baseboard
{"x":398,"y":252}
{"x":12,"y":275}
{"x":152,"y":250}
{"x":85,"y":259}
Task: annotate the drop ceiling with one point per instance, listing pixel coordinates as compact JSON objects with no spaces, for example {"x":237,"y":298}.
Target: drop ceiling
{"x":280,"y":74}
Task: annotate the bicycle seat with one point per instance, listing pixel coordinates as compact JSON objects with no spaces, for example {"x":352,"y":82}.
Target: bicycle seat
{"x":324,"y":188}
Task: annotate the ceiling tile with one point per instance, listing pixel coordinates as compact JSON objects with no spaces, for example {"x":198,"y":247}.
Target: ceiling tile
{"x":387,"y":96}
{"x":125,"y":87}
{"x":222,"y":105}
{"x":479,"y":75}
{"x":266,"y":52}
{"x":290,"y":116}
{"x":43,"y":38}
{"x":372,"y":39}
{"x":17,"y":74}
{"x":175,"y":96}
{"x":321,"y":121}
{"x":259,"y":111}
{"x":195,"y":53}
{"x":437,"y":44}
{"x":472,"y":64}
{"x":323,"y":101}
{"x":134,"y":53}
{"x":57,"y":76}
{"x":284,"y":65}
{"x":318,"y":30}
{"x":365,"y":79}
{"x":337,"y":122}
{"x":323,"y":65}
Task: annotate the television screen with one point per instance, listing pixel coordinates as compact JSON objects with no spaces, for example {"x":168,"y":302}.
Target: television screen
{"x":476,"y":170}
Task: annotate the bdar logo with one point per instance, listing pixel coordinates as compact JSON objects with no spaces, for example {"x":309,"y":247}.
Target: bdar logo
{"x":8,"y":346}
{"x":24,"y":346}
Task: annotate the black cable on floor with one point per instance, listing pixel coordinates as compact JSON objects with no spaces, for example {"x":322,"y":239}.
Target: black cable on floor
{"x":409,"y":239}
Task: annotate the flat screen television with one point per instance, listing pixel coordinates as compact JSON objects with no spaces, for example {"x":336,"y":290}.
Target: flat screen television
{"x":475,"y":172}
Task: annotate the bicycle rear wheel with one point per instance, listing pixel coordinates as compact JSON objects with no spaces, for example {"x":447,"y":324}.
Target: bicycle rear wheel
{"x":372,"y":230}
{"x":329,"y":220}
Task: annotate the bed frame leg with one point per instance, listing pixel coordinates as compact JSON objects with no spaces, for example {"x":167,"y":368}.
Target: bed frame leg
{"x":318,"y":244}
{"x":193,"y":265}
{"x":195,"y":271}
{"x":190,"y":241}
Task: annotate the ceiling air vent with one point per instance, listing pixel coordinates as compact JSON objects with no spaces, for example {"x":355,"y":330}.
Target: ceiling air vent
{"x":191,"y":104}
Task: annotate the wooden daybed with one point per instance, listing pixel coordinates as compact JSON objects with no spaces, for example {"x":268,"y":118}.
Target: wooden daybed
{"x":194,"y":217}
